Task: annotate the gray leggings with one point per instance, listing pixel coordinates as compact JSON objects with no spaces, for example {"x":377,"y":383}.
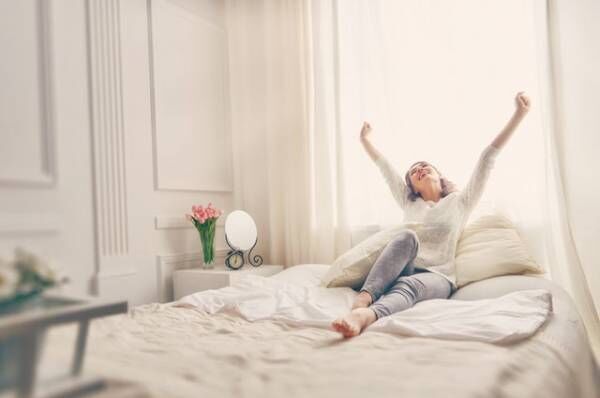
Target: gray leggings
{"x":395,"y":285}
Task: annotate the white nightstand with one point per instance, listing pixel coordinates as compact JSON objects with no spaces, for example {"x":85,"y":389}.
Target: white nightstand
{"x":188,"y":281}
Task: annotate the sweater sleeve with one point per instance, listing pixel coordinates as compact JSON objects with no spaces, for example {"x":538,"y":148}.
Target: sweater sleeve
{"x":473,"y":191}
{"x":394,"y":180}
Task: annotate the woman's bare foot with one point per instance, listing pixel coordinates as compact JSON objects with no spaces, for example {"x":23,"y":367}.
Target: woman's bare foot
{"x":362,"y":300}
{"x":355,"y":322}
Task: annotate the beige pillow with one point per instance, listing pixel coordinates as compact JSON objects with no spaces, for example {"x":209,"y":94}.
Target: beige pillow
{"x":491,"y":246}
{"x":351,"y":268}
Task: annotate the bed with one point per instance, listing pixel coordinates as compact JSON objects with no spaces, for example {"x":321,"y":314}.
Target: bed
{"x":159,"y":350}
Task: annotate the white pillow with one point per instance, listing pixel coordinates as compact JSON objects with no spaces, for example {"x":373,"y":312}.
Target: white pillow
{"x":303,"y":274}
{"x":491,"y":246}
{"x":351,"y":268}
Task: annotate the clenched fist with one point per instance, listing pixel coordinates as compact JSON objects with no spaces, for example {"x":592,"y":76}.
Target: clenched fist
{"x":523,"y":103}
{"x":365,"y":131}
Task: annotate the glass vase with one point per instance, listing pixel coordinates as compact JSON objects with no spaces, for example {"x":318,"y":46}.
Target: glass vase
{"x":207,"y":239}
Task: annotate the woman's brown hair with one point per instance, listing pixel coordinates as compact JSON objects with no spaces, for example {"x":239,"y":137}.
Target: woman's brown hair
{"x":447,"y":186}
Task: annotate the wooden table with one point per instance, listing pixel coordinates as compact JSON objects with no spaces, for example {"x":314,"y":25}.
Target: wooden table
{"x":22,"y":329}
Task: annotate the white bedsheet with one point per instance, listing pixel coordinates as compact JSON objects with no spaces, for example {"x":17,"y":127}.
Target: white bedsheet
{"x":180,"y":352}
{"x":505,"y":319}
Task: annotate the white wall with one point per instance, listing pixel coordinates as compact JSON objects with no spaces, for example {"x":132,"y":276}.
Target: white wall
{"x":176,"y":155}
{"x":45,"y":183}
{"x":136,"y":137}
{"x":579,"y":50}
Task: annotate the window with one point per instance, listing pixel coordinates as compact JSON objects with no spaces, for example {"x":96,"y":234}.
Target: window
{"x":437,"y":81}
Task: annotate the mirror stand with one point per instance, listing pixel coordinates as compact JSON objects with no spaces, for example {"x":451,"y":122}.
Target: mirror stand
{"x":235,"y":257}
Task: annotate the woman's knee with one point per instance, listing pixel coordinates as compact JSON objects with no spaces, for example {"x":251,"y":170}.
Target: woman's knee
{"x":400,"y":297}
{"x":406,"y":238}
{"x":409,"y":288}
{"x":434,"y":286}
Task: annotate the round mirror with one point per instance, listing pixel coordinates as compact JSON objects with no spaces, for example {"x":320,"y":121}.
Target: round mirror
{"x":240,"y":230}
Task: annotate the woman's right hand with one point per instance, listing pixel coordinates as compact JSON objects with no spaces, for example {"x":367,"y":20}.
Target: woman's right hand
{"x":365,"y":131}
{"x":523,"y":103}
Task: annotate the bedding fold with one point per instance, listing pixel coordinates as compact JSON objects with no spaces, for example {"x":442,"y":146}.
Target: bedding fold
{"x":506,"y":319}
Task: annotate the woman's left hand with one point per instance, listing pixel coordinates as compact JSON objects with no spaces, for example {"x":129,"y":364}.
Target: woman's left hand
{"x":523,"y":103}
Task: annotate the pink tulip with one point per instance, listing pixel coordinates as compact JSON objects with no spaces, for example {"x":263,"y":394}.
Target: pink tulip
{"x":201,"y":213}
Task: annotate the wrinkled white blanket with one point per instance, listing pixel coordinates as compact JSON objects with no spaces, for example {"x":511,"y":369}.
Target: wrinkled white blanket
{"x":505,"y":319}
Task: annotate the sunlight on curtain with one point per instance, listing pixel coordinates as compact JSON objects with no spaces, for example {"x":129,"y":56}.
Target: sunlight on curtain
{"x":564,"y":259}
{"x":437,"y":81}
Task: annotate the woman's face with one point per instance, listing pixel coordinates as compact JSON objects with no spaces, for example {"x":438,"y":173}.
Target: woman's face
{"x":422,"y":174}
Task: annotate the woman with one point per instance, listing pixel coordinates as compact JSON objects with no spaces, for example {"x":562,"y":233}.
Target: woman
{"x":418,"y":263}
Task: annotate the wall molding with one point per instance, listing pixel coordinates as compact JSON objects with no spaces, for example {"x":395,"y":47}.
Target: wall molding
{"x":126,"y":272}
{"x":168,"y":263}
{"x":47,"y":174}
{"x":115,"y":284}
{"x":227,"y":187}
{"x":108,"y":136}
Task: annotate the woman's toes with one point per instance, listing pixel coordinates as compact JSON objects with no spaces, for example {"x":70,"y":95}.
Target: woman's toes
{"x":337,"y":325}
{"x":340,"y":325}
{"x":351,"y":328}
{"x":351,"y":324}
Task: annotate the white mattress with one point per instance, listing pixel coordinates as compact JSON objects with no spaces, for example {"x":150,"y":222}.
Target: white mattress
{"x":565,"y":333}
{"x":179,"y":352}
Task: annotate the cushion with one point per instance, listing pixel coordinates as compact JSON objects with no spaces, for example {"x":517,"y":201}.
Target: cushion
{"x":351,"y":268}
{"x":491,"y":246}
{"x":500,"y":285}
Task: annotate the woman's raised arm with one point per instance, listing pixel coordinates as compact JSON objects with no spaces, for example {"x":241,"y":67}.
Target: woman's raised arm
{"x":392,"y":178}
{"x":474,"y":189}
{"x":523,"y":103}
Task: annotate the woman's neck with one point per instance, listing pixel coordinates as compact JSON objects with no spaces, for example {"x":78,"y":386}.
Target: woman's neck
{"x":431,"y":192}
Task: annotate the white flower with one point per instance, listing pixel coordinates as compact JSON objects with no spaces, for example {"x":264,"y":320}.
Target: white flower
{"x":9,"y":280}
{"x":34,"y":264}
{"x":44,"y":271}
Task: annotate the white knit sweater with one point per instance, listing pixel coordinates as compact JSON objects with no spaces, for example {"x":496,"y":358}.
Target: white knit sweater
{"x":439,"y":225}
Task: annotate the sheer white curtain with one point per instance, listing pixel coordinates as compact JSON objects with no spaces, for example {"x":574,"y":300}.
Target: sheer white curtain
{"x":437,"y":81}
{"x":288,"y":104}
{"x":563,"y":259}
